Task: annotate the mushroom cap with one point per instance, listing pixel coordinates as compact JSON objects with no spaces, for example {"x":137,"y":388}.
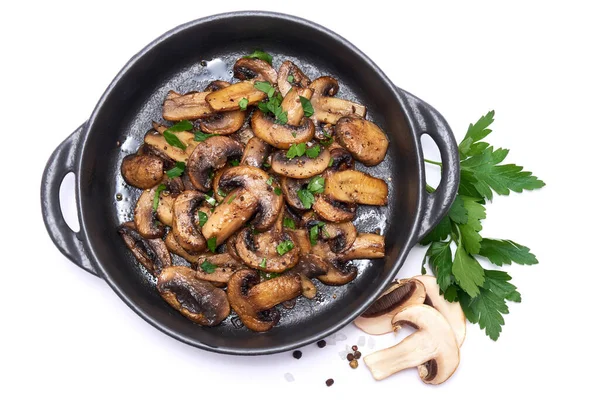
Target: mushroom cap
{"x":352,"y":186}
{"x":142,"y":171}
{"x":340,"y":236}
{"x":210,"y":155}
{"x":223,"y":123}
{"x":185,"y":221}
{"x":196,"y":299}
{"x":451,"y":311}
{"x":300,"y":167}
{"x":365,"y":140}
{"x":328,"y":109}
{"x":432,"y":348}
{"x":254,"y":180}
{"x":377,"y":319}
{"x":254,"y":68}
{"x":151,"y":253}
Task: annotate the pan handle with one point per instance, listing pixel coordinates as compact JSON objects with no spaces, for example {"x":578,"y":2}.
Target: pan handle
{"x":431,"y":122}
{"x":61,"y":162}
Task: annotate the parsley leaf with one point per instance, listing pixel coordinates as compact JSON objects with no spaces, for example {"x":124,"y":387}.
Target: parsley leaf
{"x":277,"y":191}
{"x":263,"y":263}
{"x":284,"y":247}
{"x":208,"y":267}
{"x":173,"y":140}
{"x":177,"y":170}
{"x":202,"y":218}
{"x":261,"y":55}
{"x":243,"y":103}
{"x":296,"y":150}
{"x":504,"y":252}
{"x":157,"y":193}
{"x":231,"y":199}
{"x":289,"y":223}
{"x":316,"y":184}
{"x":306,"y":106}
{"x":467,"y":272}
{"x":313,"y":152}
{"x":440,"y":261}
{"x":475,"y":133}
{"x":290,"y":79}
{"x":210,"y":200}
{"x":200,"y":136}
{"x":440,"y":232}
{"x":212,"y":244}
{"x":234,"y":162}
{"x":268,"y":275}
{"x":314,"y":232}
{"x":306,"y":198}
{"x":181,"y":126}
{"x":265,"y":87}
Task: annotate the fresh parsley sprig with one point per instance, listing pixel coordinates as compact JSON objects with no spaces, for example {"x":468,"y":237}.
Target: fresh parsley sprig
{"x":273,"y":104}
{"x":482,"y":293}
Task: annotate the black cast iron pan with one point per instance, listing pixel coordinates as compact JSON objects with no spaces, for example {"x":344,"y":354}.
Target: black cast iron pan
{"x":187,"y":58}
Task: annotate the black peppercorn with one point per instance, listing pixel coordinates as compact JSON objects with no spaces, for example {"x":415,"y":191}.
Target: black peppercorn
{"x":321,"y":343}
{"x":354,"y":348}
{"x":297,"y":354}
{"x":357,"y":355}
{"x":329,"y":382}
{"x":350,"y":357}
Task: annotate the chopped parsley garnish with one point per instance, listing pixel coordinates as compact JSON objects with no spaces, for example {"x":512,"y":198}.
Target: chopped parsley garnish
{"x":202,"y":218}
{"x":243,"y":103}
{"x":231,"y":199}
{"x":261,"y":55}
{"x":212,"y":244}
{"x":277,"y":191}
{"x":234,"y":162}
{"x":316,"y":184}
{"x":200,"y":136}
{"x":314,"y":232}
{"x":210,"y":200}
{"x":208,"y":267}
{"x":172,"y":139}
{"x":306,"y":106}
{"x":313,"y":152}
{"x":289,"y":223}
{"x":263,"y":263}
{"x":177,"y":170}
{"x":290,"y":79}
{"x":296,"y":150}
{"x":284,"y":247}
{"x":159,"y":189}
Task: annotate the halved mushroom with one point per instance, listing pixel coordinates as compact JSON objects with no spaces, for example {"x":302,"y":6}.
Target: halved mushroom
{"x":451,"y":311}
{"x":211,"y":155}
{"x":332,"y":210}
{"x":223,"y":123}
{"x":298,"y":79}
{"x":255,"y":153}
{"x":339,"y":236}
{"x":253,"y":68}
{"x":367,"y":143}
{"x":292,"y":105}
{"x":260,"y":251}
{"x":194,"y":298}
{"x":275,"y":291}
{"x":151,"y":253}
{"x":175,"y":248}
{"x":279,"y":135}
{"x":185,"y":221}
{"x":224,"y":266}
{"x":228,"y":99}
{"x":365,"y":246}
{"x":230,"y":215}
{"x":300,"y":167}
{"x":377,"y":319}
{"x":193,"y":105}
{"x":432,"y":348}
{"x":254,"y":180}
{"x":144,"y":216}
{"x":157,"y":141}
{"x":142,"y":171}
{"x":238,"y":289}
{"x":352,"y":186}
{"x":330,"y":109}
{"x":290,"y":188}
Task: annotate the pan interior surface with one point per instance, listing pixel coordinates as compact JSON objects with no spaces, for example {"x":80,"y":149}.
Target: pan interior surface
{"x":187,"y":59}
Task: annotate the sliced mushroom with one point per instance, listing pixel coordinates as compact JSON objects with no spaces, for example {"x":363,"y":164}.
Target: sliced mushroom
{"x":365,"y":246}
{"x":432,"y":348}
{"x":224,"y":123}
{"x":175,"y":248}
{"x":195,"y":299}
{"x":341,"y":160}
{"x":301,"y":239}
{"x":451,"y":311}
{"x":338,"y":274}
{"x":292,"y":105}
{"x":286,"y":70}
{"x":377,"y":319}
{"x":290,"y":188}
{"x":158,"y":142}
{"x":255,"y":153}
{"x":309,"y":266}
{"x":254,"y":180}
{"x":142,"y":171}
{"x":333,"y":210}
{"x":352,"y":186}
{"x":275,"y":291}
{"x":253,"y":68}
{"x":228,"y":99}
{"x":230,"y":215}
{"x":185,"y":221}
{"x":260,"y":251}
{"x":208,"y":156}
{"x":367,"y":143}
{"x":144,"y":216}
{"x":300,"y":167}
{"x":339,"y":236}
{"x":243,"y":136}
{"x":279,"y":135}
{"x":193,"y":105}
{"x":151,"y":253}
{"x":238,"y":287}
{"x":330,"y":109}
{"x":225,"y":267}
{"x":164,"y":212}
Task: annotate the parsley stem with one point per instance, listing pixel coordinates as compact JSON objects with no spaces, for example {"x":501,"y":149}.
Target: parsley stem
{"x":439,"y":164}
{"x":430,"y":189}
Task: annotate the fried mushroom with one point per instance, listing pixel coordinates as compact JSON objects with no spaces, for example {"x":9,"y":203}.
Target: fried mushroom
{"x":230,"y":215}
{"x":352,"y":186}
{"x":185,"y":221}
{"x":254,"y":69}
{"x":142,"y":171}
{"x":260,"y":251}
{"x":298,"y":79}
{"x":145,"y":217}
{"x":151,"y":253}
{"x":278,"y":135}
{"x":190,"y":106}
{"x":365,"y":140}
{"x":208,"y":156}
{"x":300,"y":167}
{"x":329,"y":109}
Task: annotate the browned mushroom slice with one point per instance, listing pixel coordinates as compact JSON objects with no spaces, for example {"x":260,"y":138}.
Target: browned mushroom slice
{"x":175,"y":248}
{"x":329,"y":109}
{"x":222,"y":123}
{"x":158,"y":142}
{"x":292,"y":105}
{"x":255,"y":153}
{"x":365,"y":246}
{"x":142,"y":171}
{"x":208,"y":156}
{"x":243,"y":136}
{"x":301,"y":238}
{"x":367,"y":143}
{"x":339,"y":274}
{"x":300,"y":167}
{"x":333,"y":210}
{"x":356,"y":187}
{"x":254,"y":180}
{"x":289,"y":69}
{"x":339,"y":236}
{"x":228,"y":99}
{"x":195,"y":299}
{"x":146,"y":223}
{"x":341,"y":160}
{"x":234,"y":212}
{"x":192,"y":105}
{"x":278,"y":135}
{"x":151,"y":253}
{"x":290,"y":188}
{"x":275,"y":291}
{"x":185,"y":221}
{"x":216,"y":268}
{"x":254,"y":69}
{"x":309,"y":266}
{"x":239,"y":286}
{"x":264,"y":251}
{"x":164,"y":212}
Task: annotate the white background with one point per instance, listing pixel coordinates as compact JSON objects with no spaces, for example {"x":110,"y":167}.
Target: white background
{"x":64,"y":334}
